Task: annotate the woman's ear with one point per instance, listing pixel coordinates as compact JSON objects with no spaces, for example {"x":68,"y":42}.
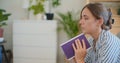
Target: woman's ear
{"x":100,"y":21}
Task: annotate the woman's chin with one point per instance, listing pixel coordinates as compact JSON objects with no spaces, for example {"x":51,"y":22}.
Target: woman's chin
{"x":85,"y":32}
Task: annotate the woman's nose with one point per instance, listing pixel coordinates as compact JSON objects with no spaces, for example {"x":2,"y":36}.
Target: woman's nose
{"x":80,"y":21}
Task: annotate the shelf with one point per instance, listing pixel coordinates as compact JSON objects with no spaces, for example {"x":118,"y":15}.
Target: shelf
{"x":116,"y":16}
{"x":117,"y":20}
{"x":33,"y":39}
{"x":114,"y":10}
{"x":115,"y":30}
{"x":104,"y":0}
{"x":115,"y":26}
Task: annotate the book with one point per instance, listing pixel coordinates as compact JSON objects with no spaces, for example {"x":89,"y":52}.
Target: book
{"x":67,"y":46}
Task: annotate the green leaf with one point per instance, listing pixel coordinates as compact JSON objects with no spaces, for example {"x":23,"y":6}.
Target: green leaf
{"x":2,"y":10}
{"x":70,"y":25}
{"x":55,"y":3}
{"x":3,"y":17}
{"x":38,"y":8}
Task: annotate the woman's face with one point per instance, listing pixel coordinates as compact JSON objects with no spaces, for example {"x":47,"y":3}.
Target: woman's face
{"x":88,"y":22}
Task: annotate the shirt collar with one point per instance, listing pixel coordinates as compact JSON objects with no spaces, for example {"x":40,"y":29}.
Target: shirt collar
{"x":100,"y":40}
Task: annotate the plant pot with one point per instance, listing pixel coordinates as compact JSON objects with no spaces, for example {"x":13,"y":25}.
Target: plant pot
{"x":39,"y":16}
{"x":49,"y":16}
{"x":1,"y":32}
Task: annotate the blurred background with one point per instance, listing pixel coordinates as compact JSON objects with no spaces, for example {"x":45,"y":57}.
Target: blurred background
{"x":35,"y":28}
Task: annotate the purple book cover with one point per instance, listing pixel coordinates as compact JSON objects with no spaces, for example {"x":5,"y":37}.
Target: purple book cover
{"x":67,"y":46}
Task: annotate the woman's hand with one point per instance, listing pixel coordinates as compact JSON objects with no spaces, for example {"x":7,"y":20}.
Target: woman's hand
{"x":80,"y":51}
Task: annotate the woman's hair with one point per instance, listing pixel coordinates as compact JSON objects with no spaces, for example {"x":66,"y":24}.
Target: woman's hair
{"x":100,"y":11}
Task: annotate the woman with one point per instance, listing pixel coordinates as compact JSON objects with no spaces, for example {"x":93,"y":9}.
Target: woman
{"x":105,"y":47}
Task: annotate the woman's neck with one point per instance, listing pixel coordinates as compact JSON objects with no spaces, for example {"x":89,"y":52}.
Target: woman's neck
{"x":96,"y":34}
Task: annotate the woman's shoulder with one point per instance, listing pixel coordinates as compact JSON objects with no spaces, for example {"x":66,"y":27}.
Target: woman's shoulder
{"x":111,"y":39}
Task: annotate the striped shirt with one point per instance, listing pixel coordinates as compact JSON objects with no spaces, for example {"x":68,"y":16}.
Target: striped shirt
{"x":107,"y":49}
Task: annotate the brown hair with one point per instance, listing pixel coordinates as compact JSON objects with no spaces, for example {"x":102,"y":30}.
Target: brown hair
{"x":100,"y":11}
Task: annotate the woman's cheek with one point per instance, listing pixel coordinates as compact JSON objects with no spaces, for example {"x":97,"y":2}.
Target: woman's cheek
{"x":85,"y":27}
{"x":84,"y":30}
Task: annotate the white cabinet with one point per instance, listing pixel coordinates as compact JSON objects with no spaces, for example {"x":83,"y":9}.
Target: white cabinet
{"x":34,"y":41}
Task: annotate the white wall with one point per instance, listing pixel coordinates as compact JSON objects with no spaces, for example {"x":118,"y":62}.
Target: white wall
{"x":15,"y":7}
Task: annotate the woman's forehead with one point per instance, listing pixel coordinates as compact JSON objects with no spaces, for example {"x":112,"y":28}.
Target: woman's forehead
{"x":86,"y":12}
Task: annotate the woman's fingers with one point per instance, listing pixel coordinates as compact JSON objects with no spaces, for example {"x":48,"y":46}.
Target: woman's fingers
{"x":84,"y":46}
{"x":74,"y":47}
{"x":77,"y":44}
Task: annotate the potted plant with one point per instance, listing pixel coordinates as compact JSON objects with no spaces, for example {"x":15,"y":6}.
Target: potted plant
{"x":37,"y":7}
{"x":70,"y":23}
{"x":3,"y":19}
{"x":52,"y":4}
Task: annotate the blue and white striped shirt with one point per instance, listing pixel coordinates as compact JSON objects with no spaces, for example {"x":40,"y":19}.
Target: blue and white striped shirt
{"x":107,"y":49}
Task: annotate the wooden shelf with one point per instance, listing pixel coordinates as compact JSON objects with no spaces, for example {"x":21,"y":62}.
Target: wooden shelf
{"x":117,"y":20}
{"x":116,"y":26}
{"x":115,"y":30}
{"x":116,"y":16}
{"x":114,"y":10}
{"x":104,"y":0}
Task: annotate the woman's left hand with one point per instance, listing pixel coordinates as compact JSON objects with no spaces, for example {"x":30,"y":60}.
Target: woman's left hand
{"x":80,"y":51}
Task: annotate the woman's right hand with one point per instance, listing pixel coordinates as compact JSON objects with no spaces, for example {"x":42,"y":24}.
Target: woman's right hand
{"x":80,"y":51}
